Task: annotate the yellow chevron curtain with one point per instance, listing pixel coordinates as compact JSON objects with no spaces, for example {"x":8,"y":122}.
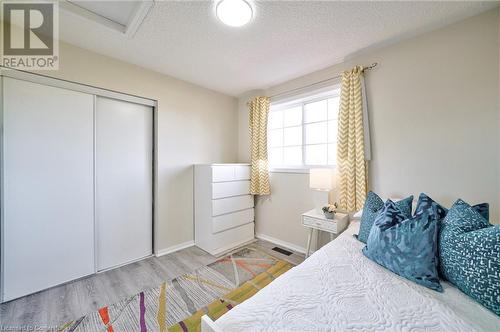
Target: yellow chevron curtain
{"x":259,"y":111}
{"x":352,"y":168}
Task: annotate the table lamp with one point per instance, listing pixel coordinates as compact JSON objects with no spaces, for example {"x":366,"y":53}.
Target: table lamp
{"x":322,"y":181}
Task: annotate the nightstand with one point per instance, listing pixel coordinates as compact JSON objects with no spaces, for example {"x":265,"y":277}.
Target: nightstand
{"x":316,"y":221}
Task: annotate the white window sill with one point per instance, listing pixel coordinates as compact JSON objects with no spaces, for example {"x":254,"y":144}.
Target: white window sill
{"x":290,"y":170}
{"x":298,"y":170}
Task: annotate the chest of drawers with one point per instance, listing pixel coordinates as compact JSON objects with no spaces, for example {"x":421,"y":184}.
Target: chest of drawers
{"x":223,"y":207}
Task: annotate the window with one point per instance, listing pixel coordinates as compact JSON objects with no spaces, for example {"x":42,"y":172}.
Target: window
{"x":303,"y":133}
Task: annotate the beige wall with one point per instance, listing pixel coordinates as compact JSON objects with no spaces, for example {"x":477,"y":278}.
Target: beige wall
{"x":195,"y":125}
{"x":434,"y":112}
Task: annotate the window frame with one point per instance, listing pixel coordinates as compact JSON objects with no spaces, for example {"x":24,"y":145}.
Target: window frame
{"x":314,"y":97}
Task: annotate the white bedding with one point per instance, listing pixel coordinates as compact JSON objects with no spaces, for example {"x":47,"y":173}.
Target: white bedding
{"x":339,"y":289}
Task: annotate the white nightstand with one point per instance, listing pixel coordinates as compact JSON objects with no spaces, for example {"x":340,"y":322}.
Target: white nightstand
{"x":317,"y":222}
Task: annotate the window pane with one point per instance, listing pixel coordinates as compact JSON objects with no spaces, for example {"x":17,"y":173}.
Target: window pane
{"x":275,"y":119}
{"x":292,"y":155}
{"x":316,"y":111}
{"x":316,"y":133}
{"x":316,"y":154}
{"x":332,"y":154}
{"x":332,"y":131}
{"x":333,"y":108}
{"x":292,"y":116}
{"x":275,"y":137}
{"x":293,"y":136}
{"x":276,"y":156}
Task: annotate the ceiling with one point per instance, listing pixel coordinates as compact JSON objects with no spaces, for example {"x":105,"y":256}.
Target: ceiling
{"x":284,"y":40}
{"x":117,"y":11}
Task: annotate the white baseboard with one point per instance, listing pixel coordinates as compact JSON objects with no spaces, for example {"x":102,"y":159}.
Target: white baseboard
{"x":175,"y":248}
{"x":281,"y":243}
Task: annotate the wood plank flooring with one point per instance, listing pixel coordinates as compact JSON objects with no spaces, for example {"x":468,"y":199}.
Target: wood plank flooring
{"x":48,"y":309}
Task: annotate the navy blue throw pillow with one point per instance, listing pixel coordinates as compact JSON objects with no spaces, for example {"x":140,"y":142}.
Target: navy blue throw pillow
{"x":373,"y":206}
{"x":406,"y":246}
{"x":426,"y":203}
{"x":469,"y":249}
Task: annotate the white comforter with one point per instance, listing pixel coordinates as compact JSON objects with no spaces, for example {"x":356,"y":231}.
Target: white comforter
{"x":339,"y":289}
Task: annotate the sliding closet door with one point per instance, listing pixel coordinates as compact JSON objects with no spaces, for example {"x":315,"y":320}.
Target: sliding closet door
{"x":124,"y":159}
{"x":48,"y":214}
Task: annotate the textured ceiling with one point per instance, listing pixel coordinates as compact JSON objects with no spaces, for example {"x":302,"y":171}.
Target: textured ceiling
{"x":284,"y":40}
{"x":117,"y":11}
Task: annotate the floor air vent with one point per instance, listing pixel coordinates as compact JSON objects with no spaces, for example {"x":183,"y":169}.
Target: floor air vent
{"x":282,"y":251}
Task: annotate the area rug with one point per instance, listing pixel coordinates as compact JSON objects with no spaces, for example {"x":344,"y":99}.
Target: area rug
{"x":178,"y":305}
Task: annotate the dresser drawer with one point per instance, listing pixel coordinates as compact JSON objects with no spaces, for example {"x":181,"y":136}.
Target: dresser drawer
{"x":330,"y":226}
{"x":228,"y":239}
{"x":231,"y":220}
{"x":242,"y":172}
{"x":231,"y":204}
{"x":229,"y":189}
{"x":222,"y":173}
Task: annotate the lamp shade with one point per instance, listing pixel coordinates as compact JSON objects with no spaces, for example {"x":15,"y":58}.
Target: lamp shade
{"x":321,"y":178}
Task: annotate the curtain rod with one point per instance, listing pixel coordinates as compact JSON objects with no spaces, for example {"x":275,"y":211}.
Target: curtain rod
{"x":373,"y":65}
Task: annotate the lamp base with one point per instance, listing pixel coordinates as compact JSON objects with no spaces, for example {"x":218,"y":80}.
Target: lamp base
{"x":320,"y":200}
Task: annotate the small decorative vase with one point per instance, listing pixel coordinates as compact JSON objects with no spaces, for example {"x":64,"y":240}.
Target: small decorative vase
{"x":329,"y":215}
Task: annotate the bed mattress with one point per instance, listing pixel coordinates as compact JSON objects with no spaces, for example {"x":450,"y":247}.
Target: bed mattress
{"x":339,"y":289}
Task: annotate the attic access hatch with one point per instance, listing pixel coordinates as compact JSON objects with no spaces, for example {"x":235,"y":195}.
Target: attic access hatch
{"x":122,"y":16}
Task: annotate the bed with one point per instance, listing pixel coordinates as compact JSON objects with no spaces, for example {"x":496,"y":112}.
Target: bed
{"x":339,"y":289}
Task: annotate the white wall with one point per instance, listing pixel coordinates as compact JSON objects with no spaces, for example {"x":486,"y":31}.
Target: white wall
{"x":434,"y":116}
{"x":195,"y":125}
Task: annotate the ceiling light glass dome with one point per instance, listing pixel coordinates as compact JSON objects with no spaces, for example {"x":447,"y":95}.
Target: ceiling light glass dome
{"x":235,"y":13}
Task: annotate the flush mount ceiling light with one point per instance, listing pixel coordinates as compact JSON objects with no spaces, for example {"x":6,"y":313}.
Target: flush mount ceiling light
{"x":235,"y":13}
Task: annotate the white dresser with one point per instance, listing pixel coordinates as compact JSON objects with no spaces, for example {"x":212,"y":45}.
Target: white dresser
{"x":223,"y":207}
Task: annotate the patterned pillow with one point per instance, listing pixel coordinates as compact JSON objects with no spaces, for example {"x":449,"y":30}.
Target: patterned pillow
{"x":406,"y":246}
{"x":483,"y":209}
{"x":373,"y":205}
{"x":469,"y":249}
{"x":427,"y":203}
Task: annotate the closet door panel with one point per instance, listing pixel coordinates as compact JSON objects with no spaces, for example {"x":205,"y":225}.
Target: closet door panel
{"x":124,"y":133}
{"x":48,"y":183}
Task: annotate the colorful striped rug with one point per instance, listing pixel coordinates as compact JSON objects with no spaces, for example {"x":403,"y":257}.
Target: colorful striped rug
{"x":178,"y":305}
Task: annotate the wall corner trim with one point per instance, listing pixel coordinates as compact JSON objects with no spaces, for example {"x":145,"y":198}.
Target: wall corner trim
{"x":282,"y":243}
{"x":174,"y":248}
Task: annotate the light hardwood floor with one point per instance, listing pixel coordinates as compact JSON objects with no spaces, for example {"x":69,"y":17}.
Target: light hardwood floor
{"x":52,"y":307}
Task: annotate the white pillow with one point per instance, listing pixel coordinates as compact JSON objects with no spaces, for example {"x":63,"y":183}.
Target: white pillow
{"x":358,"y":214}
